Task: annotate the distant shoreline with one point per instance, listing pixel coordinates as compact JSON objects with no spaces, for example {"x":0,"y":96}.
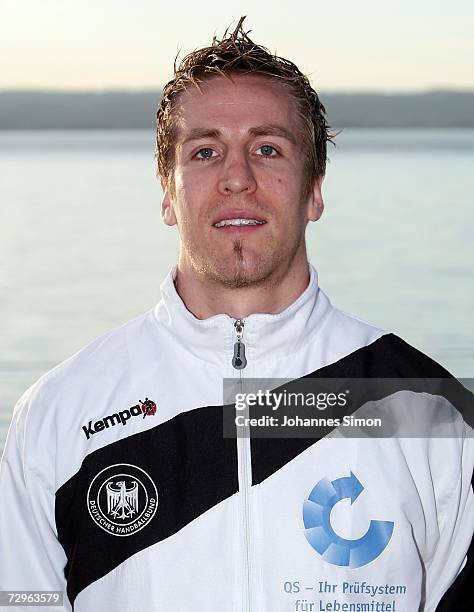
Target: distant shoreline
{"x":112,"y":110}
{"x":152,"y":128}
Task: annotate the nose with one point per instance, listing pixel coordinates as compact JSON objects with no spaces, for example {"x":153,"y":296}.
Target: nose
{"x":236,"y":175}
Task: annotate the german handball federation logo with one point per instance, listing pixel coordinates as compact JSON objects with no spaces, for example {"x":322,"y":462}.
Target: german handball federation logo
{"x":122,"y":499}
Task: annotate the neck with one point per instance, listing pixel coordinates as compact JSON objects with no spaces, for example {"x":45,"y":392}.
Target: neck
{"x":205,"y":298}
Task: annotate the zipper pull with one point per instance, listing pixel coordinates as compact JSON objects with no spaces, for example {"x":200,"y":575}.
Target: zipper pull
{"x":238,"y":360}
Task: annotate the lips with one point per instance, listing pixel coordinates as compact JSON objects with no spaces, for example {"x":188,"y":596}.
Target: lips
{"x":238,"y":222}
{"x":237,"y":218}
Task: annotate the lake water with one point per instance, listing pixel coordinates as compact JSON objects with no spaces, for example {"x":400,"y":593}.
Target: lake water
{"x":84,"y":249}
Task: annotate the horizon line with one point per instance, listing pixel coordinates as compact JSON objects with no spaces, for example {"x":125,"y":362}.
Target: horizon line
{"x":129,"y":90}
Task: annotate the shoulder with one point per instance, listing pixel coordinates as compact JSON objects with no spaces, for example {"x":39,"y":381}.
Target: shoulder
{"x":415,"y":389}
{"x":375,"y":352}
{"x":392,"y":357}
{"x":107,"y":352}
{"x":60,"y":393}
{"x":358,"y":349}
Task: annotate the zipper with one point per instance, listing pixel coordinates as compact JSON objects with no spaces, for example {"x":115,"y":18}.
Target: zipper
{"x":239,"y":362}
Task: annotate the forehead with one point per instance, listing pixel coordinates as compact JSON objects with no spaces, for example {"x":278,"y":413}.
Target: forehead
{"x":236,"y":104}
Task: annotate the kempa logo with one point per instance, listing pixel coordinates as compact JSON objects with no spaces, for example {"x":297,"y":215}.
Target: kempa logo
{"x":122,"y":499}
{"x":148,"y":407}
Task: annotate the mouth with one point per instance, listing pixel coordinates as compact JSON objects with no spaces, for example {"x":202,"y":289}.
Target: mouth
{"x":238,"y":223}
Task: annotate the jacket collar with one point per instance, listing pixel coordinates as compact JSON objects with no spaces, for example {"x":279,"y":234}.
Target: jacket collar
{"x":265,"y":335}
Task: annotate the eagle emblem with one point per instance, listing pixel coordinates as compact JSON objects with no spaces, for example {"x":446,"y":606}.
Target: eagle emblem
{"x":122,"y":502}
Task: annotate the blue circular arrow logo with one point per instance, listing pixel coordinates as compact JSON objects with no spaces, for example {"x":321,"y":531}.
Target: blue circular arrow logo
{"x":322,"y":537}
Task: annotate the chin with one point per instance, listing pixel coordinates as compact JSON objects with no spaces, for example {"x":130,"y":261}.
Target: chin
{"x":241,"y":266}
{"x":246,"y":271}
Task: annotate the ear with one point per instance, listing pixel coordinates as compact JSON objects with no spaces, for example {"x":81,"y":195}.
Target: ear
{"x":167,"y":211}
{"x":315,"y":204}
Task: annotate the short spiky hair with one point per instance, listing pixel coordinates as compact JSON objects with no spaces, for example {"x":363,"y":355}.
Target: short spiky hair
{"x":238,"y":54}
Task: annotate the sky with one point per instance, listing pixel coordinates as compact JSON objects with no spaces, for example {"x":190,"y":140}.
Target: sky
{"x":342,"y":45}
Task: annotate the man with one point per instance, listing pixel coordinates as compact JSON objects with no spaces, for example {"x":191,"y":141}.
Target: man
{"x":117,"y":483}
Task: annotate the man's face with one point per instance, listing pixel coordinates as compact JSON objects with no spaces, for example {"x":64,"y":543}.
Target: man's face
{"x":239,"y":155}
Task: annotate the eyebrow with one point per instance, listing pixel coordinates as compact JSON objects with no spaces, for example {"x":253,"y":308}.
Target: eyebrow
{"x":198,"y":134}
{"x":273,"y":130}
{"x":261,"y":130}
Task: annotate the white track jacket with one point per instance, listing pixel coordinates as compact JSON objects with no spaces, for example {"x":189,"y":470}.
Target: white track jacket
{"x":118,"y":487}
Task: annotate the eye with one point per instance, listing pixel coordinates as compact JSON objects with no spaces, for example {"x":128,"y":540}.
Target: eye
{"x":205,"y":153}
{"x":268,"y":151}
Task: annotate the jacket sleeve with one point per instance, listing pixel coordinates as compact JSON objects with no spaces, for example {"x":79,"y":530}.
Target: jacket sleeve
{"x":31,"y":558}
{"x":451,"y":572}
